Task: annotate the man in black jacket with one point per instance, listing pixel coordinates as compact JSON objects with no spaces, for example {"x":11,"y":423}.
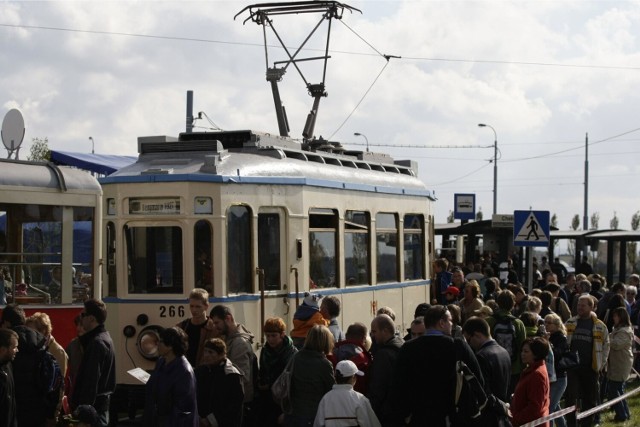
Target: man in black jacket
{"x":495,"y":363}
{"x":96,"y":379}
{"x":383,"y":332}
{"x":423,"y":386}
{"x":8,"y":350}
{"x":32,"y":406}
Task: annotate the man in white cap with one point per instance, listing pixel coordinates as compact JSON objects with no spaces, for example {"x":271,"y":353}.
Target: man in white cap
{"x":343,"y":406}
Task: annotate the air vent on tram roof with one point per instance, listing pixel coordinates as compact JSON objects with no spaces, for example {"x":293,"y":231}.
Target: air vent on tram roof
{"x":229,"y":139}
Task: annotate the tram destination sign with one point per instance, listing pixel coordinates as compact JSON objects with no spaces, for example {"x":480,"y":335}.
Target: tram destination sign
{"x":141,"y":206}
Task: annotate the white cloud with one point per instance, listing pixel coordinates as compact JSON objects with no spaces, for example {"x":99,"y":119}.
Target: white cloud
{"x":463,"y":63}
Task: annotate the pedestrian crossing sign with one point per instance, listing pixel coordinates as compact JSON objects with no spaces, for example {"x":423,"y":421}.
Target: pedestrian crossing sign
{"x":531,"y":228}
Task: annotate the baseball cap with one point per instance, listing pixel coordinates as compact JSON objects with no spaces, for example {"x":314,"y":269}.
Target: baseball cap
{"x":347,"y":368}
{"x":452,"y":290}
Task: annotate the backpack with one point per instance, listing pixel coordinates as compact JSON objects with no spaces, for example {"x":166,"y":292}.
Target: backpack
{"x":49,"y":376}
{"x":281,"y":388}
{"x":470,"y":397}
{"x":504,"y":332}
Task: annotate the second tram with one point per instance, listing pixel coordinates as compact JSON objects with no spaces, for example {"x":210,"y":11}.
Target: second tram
{"x":49,"y":257}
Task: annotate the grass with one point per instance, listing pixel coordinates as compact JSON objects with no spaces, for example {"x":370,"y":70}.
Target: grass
{"x":607,"y":415}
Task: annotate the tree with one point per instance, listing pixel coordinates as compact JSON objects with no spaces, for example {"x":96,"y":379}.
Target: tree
{"x":614,"y":221}
{"x":479,"y":214}
{"x":632,"y":247}
{"x":450,"y":218}
{"x":39,"y":150}
{"x":554,"y":224}
{"x":595,"y":219}
{"x":575,"y":222}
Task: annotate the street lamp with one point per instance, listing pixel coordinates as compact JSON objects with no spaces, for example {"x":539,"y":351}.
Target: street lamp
{"x":495,"y":166}
{"x":365,"y":138}
{"x":92,"y":145}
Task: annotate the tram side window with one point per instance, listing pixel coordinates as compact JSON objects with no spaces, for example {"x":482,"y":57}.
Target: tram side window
{"x":240,"y":277}
{"x":5,"y":270}
{"x":323,"y":232}
{"x":414,"y":247}
{"x":387,"y":247}
{"x":39,"y":278}
{"x":356,"y":247}
{"x":269,"y":249}
{"x":202,"y":248}
{"x":110,"y":238}
{"x":154,"y":259}
{"x":83,"y":233}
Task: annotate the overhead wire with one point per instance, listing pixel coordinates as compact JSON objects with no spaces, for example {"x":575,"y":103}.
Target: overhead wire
{"x":402,"y":57}
{"x":377,"y":53}
{"x":387,"y":57}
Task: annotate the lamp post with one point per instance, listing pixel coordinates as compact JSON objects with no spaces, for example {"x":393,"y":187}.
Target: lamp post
{"x":92,"y":145}
{"x":495,"y":166}
{"x":365,"y":138}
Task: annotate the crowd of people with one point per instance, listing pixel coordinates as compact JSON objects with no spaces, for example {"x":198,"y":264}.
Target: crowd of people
{"x":43,"y":384}
{"x":567,"y":342}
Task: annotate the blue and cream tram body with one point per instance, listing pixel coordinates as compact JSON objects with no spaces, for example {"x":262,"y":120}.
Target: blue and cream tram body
{"x":49,"y":240}
{"x":257,"y":220}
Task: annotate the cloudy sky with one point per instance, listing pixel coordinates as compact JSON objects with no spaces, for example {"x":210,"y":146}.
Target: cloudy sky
{"x":543,"y":74}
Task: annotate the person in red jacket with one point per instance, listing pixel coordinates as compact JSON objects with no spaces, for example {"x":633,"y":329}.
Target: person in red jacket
{"x":531,"y":398}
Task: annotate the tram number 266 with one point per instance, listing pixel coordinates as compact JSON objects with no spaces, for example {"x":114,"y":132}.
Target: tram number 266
{"x":171,"y":311}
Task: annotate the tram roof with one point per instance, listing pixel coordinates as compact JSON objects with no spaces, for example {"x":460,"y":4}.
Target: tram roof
{"x":45,"y":175}
{"x":248,"y":157}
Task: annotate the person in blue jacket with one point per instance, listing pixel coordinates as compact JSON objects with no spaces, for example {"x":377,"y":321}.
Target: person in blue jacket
{"x":170,"y":399}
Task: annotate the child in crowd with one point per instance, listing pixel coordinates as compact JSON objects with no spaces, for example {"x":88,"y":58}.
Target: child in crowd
{"x":307,"y":315}
{"x":343,"y":405}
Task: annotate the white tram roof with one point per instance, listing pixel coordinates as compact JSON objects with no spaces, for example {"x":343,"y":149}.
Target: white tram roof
{"x":250,"y":157}
{"x":46,"y":175}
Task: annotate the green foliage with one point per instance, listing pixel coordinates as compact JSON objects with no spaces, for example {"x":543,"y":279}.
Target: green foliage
{"x":450,"y":218}
{"x":39,"y":150}
{"x":634,"y":408}
{"x":614,"y":221}
{"x":595,"y":219}
{"x":575,"y":222}
{"x":632,"y":247}
{"x":635,"y":220}
{"x":479,"y":214}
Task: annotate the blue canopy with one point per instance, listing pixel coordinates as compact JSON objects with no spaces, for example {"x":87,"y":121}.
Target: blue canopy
{"x":104,"y":164}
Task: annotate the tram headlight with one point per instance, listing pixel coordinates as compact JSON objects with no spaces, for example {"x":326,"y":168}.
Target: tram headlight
{"x":147,"y":342}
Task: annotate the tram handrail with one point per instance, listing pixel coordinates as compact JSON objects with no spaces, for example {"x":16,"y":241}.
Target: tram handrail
{"x":40,"y":291}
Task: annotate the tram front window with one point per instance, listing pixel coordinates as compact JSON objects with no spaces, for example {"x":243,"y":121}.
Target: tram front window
{"x":154,"y":259}
{"x":46,"y":253}
{"x":239,"y":272}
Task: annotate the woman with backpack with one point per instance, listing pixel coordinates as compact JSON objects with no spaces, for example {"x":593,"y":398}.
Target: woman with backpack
{"x":275,"y":355}
{"x":531,"y":398}
{"x":312,"y":377}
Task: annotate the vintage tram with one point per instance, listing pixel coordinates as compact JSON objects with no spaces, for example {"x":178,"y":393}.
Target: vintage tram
{"x":257,"y":220}
{"x":49,"y":240}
